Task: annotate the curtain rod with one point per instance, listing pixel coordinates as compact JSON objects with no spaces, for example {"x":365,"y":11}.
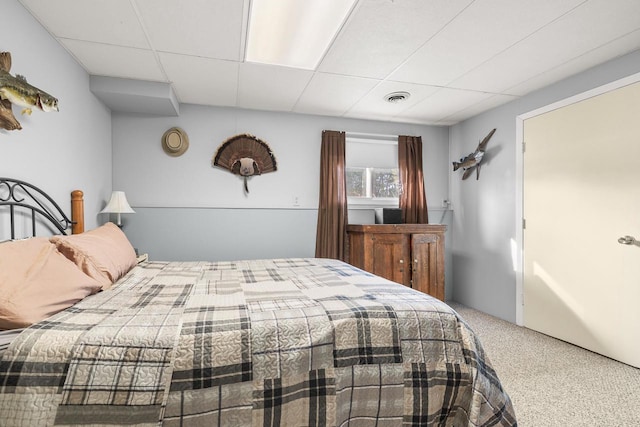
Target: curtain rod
{"x":370,"y":136}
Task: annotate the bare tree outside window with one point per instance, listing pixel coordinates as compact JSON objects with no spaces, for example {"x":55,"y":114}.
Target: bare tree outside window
{"x":385,"y":183}
{"x":356,"y":182}
{"x":373,"y":183}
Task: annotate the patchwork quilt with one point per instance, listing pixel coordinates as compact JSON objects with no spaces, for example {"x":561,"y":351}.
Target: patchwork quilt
{"x":281,"y":342}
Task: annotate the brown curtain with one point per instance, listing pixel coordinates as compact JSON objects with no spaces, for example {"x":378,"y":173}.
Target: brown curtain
{"x":331,"y":234}
{"x":413,"y":201}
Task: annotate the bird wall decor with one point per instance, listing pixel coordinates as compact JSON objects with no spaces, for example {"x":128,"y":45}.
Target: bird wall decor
{"x":473,"y":160}
{"x":245,"y":155}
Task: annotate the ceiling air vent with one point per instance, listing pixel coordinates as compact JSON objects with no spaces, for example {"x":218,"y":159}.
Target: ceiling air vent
{"x":396,"y":97}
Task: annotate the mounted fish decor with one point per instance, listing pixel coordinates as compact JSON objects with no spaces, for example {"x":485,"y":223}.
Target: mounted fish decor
{"x":245,"y":155}
{"x":473,"y":160}
{"x":16,"y":90}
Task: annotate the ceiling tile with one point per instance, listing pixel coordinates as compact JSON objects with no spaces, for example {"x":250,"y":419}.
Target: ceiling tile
{"x":618,"y":47}
{"x":115,"y":61}
{"x":382,"y":34}
{"x":331,"y":94}
{"x":374,"y":105}
{"x":483,"y":30}
{"x":202,"y":80}
{"x":479,"y":107}
{"x":444,"y":103}
{"x":282,"y":92}
{"x":112,"y":22}
{"x":476,"y":53}
{"x":551,"y":46}
{"x":209,"y":28}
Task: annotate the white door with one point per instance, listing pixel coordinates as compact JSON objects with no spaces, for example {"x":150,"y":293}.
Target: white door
{"x":581,"y":194}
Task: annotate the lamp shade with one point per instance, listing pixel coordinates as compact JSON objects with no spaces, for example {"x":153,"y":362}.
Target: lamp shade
{"x":118,"y":204}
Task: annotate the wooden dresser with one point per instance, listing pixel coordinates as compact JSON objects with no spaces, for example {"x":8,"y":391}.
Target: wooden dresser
{"x":410,"y":254}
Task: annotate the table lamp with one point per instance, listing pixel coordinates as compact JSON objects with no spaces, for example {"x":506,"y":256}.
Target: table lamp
{"x":118,"y":205}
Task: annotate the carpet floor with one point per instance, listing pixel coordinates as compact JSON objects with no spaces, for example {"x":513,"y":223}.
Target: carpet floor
{"x":554,"y":383}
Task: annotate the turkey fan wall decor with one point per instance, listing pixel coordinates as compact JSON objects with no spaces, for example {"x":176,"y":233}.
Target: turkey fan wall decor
{"x":245,"y":155}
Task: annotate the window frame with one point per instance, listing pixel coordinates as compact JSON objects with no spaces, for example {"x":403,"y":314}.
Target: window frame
{"x":369,"y":201}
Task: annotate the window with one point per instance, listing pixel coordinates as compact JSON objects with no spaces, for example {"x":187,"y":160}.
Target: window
{"x":373,"y":183}
{"x":372,"y":171}
{"x":356,"y":182}
{"x":385,"y":183}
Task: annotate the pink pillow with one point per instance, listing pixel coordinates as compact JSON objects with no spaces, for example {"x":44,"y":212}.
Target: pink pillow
{"x":37,"y":281}
{"x":103,"y":253}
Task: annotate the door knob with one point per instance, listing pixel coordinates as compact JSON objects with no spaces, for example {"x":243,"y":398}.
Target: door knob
{"x":628,"y":240}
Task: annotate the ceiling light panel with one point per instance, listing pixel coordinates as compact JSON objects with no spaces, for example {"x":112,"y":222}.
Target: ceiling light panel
{"x":294,"y":33}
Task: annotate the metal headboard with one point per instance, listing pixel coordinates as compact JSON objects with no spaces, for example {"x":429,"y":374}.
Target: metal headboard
{"x":20,"y":196}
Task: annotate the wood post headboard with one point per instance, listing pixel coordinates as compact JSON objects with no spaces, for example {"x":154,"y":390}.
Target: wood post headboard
{"x":77,"y":212}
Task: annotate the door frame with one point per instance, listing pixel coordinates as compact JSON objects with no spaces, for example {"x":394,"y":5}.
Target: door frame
{"x":518,"y":247}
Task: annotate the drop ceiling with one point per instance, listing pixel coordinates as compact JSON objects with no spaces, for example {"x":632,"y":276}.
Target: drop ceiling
{"x":456,"y":58}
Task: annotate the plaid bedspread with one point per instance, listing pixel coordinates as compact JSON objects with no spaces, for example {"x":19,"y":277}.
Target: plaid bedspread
{"x":282,"y":342}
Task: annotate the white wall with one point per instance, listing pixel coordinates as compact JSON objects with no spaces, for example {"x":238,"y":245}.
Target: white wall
{"x":57,"y":151}
{"x":72,"y":149}
{"x":151,"y":178}
{"x":186,"y":197}
{"x":186,"y":208}
{"x":484,"y":223}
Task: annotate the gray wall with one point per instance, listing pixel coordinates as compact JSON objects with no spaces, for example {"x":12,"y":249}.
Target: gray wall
{"x":151,"y":178}
{"x":57,"y":151}
{"x":186,"y":209}
{"x":204,"y":212}
{"x":484,"y":223}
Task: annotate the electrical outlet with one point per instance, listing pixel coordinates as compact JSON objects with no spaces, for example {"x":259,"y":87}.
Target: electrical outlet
{"x":445,"y":203}
{"x":296,"y":201}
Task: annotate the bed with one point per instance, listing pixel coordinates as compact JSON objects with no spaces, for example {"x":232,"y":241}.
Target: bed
{"x":273,"y":342}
